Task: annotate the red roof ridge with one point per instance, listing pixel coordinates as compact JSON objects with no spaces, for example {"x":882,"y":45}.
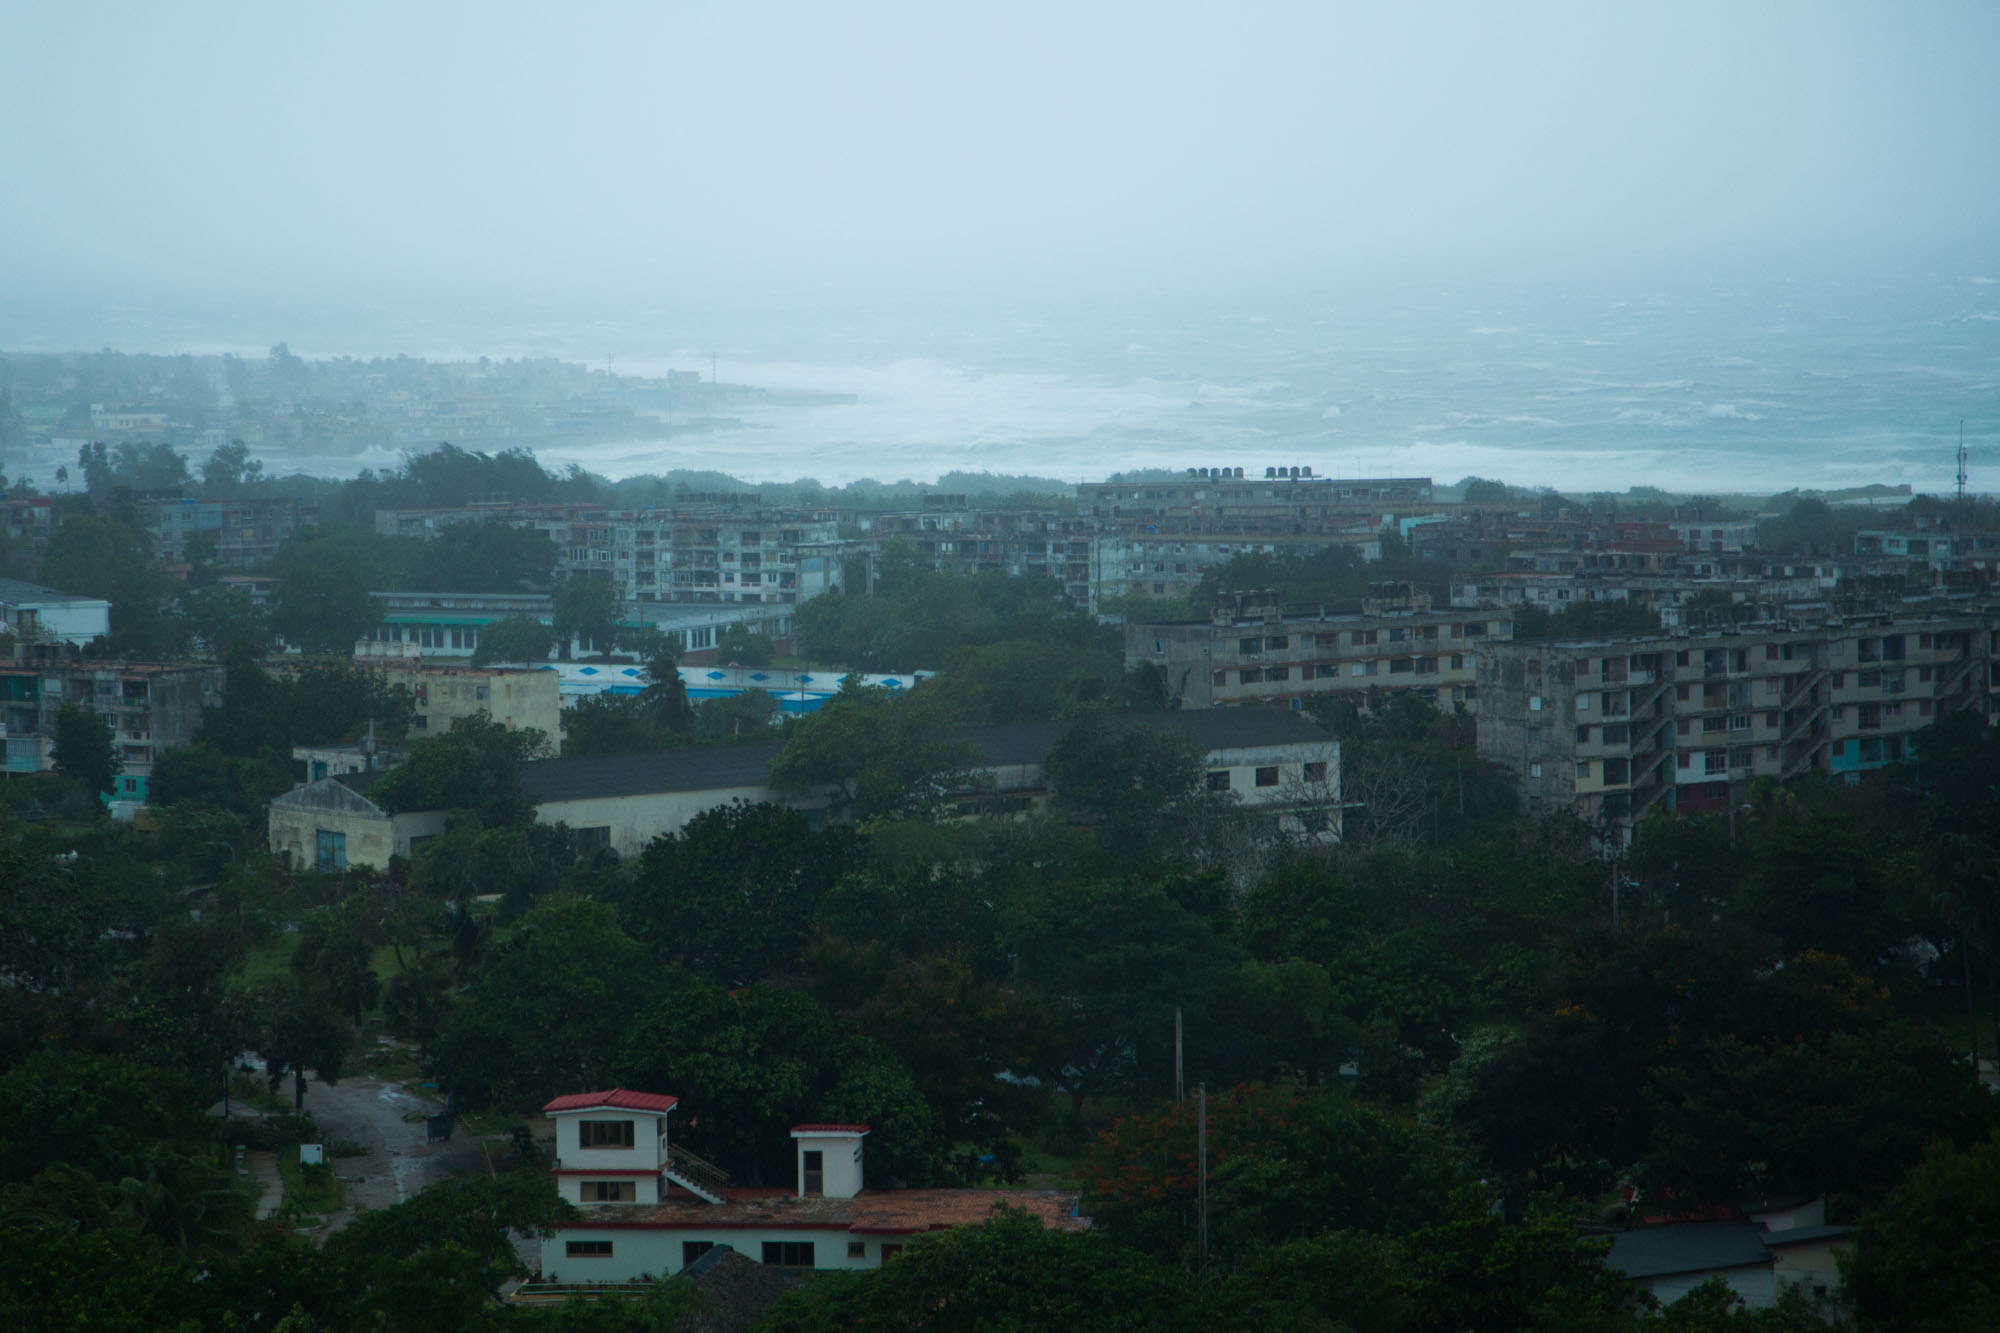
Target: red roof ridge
{"x":621,"y":1098}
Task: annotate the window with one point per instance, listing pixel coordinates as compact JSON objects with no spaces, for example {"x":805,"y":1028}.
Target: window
{"x":1277,"y":642}
{"x":332,"y":850}
{"x":1458,"y":661}
{"x":610,"y":1191}
{"x":1267,"y":777}
{"x":1219,"y":780}
{"x":1582,"y":769}
{"x":1534,"y":770}
{"x":1328,"y":671}
{"x":1365,"y":668}
{"x":596,"y":836}
{"x":1249,"y":647}
{"x":1277,"y":673}
{"x":857,"y":1249}
{"x":604,"y":1133}
{"x":1715,"y":761}
{"x":813,"y":1173}
{"x":1250,"y":675}
{"x":1221,"y":679}
{"x":1583,"y":735}
{"x":1534,"y":703}
{"x":1315,"y":771}
{"x":1360,"y":636}
{"x":1399,"y":636}
{"x":788,"y":1253}
{"x":588,"y":1249}
{"x":1399,"y":666}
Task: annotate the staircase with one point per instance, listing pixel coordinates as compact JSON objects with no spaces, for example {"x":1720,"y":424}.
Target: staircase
{"x":1809,"y":701}
{"x":697,"y":1175}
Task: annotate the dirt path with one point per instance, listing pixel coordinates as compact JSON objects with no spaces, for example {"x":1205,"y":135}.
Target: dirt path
{"x":387,"y":1120}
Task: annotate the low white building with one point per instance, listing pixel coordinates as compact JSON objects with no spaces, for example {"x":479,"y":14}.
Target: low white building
{"x":650,"y":1208}
{"x":32,"y":613}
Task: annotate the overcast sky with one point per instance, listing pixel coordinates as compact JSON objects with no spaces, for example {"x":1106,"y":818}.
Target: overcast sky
{"x":660,"y":149}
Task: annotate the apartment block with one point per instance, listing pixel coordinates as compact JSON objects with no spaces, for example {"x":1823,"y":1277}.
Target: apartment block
{"x":149,"y":707}
{"x":1614,"y":727}
{"x":1251,"y":650}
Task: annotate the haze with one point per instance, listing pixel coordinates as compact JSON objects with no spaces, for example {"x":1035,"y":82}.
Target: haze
{"x":372,"y":151}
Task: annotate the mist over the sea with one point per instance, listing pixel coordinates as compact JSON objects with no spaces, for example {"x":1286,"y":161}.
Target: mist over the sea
{"x":1745,"y":385}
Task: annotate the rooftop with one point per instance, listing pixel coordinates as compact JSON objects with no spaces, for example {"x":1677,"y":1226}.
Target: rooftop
{"x":1688,"y":1247}
{"x":893,"y":1212}
{"x":617,"y":1097}
{"x":20,"y":590}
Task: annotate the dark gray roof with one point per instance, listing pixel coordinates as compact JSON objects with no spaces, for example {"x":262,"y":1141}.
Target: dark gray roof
{"x":1210,"y":728}
{"x":690,"y":768}
{"x":19,"y":590}
{"x":1689,"y":1247}
{"x":709,"y":767}
{"x":359,"y":783}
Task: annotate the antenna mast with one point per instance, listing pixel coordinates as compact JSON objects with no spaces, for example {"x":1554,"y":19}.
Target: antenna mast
{"x":1961,"y":460}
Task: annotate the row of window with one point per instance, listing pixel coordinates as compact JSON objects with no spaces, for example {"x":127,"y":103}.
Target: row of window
{"x":1398,"y":666}
{"x":1360,"y":638}
{"x":777,"y":1253}
{"x":1223,"y":779}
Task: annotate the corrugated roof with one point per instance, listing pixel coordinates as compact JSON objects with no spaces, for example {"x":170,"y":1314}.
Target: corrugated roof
{"x":828,"y":1129}
{"x":617,"y":1097}
{"x":712,"y":767}
{"x":20,"y":590}
{"x":1688,"y":1247}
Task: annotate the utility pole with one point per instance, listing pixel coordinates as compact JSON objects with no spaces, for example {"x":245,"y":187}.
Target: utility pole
{"x":1180,"y":1067}
{"x":1201,"y":1169}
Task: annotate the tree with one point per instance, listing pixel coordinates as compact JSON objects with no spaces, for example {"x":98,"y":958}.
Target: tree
{"x":1135,"y":783}
{"x":740,"y":645}
{"x":881,"y":755}
{"x":299,"y":1028}
{"x":96,"y":556}
{"x":83,"y":748}
{"x":586,"y":612}
{"x":515,"y":638}
{"x":324,"y":609}
{"x":744,"y":1062}
{"x":1011,"y":1273}
{"x":1929,"y":1257}
{"x":222,"y":617}
{"x":664,"y":701}
{"x":614,"y":724}
{"x":230,"y":469}
{"x":735,"y":893}
{"x":474,"y":766}
{"x":490,"y":557}
{"x":1282,"y":1167}
{"x":546,"y":1012}
{"x":738,"y":717}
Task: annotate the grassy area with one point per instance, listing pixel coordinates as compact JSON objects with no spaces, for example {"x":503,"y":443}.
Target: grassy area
{"x":308,"y":1189}
{"x":252,"y":1090}
{"x":270,"y":958}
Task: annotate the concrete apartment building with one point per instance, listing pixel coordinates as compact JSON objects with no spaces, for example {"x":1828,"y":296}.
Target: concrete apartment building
{"x":516,"y":698}
{"x":1615,"y":727}
{"x":246,"y":533}
{"x":149,"y":707}
{"x":1251,"y":651}
{"x":731,"y":551}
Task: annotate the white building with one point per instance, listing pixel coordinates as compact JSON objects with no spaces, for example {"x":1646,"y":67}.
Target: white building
{"x":650,"y":1208}
{"x":32,"y":613}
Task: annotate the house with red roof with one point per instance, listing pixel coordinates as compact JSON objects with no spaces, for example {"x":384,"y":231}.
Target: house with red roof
{"x":649,"y":1208}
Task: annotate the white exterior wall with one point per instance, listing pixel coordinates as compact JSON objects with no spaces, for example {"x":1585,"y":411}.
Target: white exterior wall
{"x":647,"y":1153}
{"x":840,"y":1162}
{"x":635,"y":821}
{"x":645,"y":1189}
{"x":77,"y":621}
{"x":656,"y":1251}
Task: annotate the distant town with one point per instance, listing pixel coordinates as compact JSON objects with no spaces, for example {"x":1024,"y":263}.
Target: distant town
{"x":585,"y":876}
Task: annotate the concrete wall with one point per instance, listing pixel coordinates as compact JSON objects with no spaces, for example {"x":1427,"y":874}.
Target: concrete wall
{"x":656,"y":1251}
{"x":649,"y":1131}
{"x":372,"y":837}
{"x":1756,"y":1287}
{"x":634,"y":821}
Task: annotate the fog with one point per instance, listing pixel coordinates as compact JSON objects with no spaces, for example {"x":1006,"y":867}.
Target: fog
{"x":652,"y":153}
